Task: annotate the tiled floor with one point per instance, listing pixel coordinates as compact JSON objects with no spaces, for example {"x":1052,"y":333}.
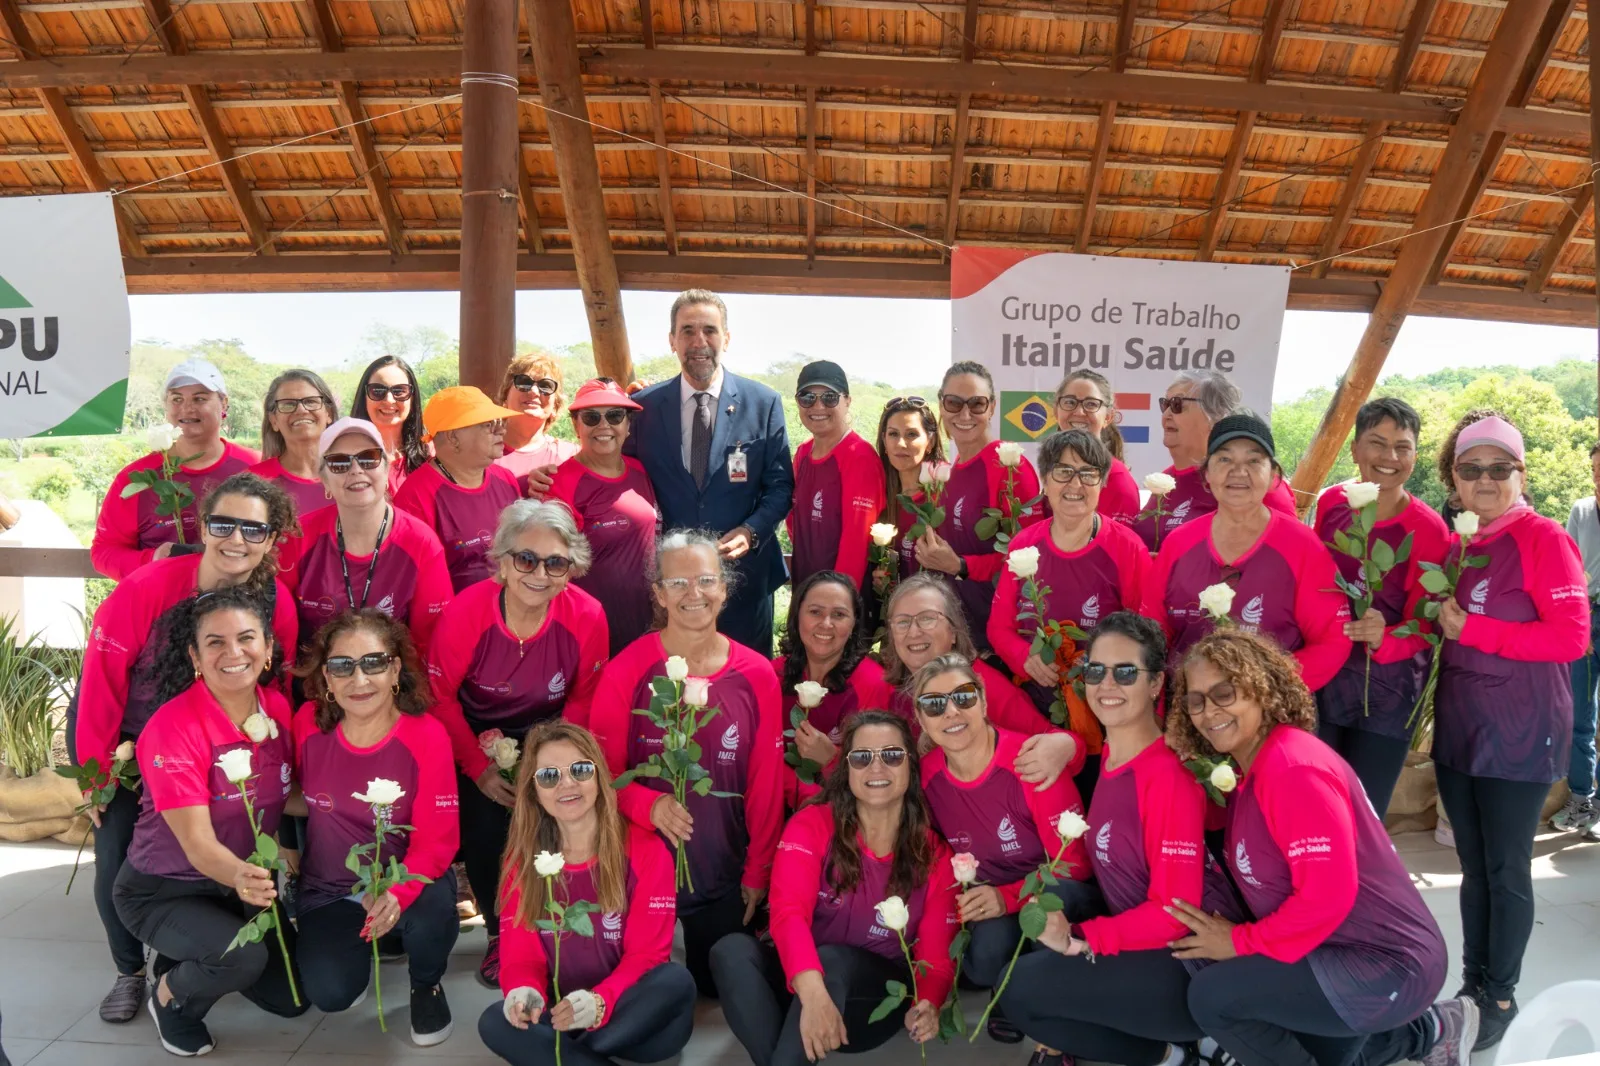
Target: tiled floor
{"x":54,"y":969}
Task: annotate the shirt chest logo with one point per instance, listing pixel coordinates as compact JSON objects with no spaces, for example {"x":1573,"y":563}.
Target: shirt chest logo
{"x":558,"y":685}
{"x":611,"y":926}
{"x":1241,"y":862}
{"x":1251,"y":615}
{"x":1008,"y":835}
{"x":1478,"y":597}
{"x":817,"y":505}
{"x":1090,"y":614}
{"x":956,"y":514}
{"x":730,"y":744}
{"x":386,"y":605}
{"x":1102,"y":844}
{"x":1179,"y":514}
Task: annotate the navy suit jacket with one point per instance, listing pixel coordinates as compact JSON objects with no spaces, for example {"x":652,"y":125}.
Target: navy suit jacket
{"x":749,"y":416}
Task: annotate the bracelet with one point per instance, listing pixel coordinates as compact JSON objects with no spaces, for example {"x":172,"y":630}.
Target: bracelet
{"x":599,"y":1010}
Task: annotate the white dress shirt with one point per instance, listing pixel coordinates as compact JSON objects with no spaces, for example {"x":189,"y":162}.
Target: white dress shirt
{"x":686,"y":394}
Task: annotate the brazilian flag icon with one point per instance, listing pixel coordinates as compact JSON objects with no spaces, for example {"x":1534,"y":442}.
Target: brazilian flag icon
{"x":1024,"y":416}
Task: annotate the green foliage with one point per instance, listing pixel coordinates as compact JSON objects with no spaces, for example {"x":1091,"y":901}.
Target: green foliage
{"x":33,"y":682}
{"x":55,"y":488}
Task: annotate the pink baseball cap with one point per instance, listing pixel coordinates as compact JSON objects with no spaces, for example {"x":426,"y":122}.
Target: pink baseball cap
{"x":348,"y":425}
{"x":1494,"y":431}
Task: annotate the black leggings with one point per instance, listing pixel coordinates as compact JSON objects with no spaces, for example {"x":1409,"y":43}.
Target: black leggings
{"x":994,"y":939}
{"x":337,"y":963}
{"x":1123,"y":1008}
{"x":765,"y":1015}
{"x":1376,"y":759}
{"x":649,"y":1022}
{"x":1269,"y":1013}
{"x":484,"y":825}
{"x":1494,"y":822}
{"x":111,"y":842}
{"x":192,"y":923}
{"x":703,"y":928}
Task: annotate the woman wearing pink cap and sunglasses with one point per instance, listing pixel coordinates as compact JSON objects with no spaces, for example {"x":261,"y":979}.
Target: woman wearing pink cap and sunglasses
{"x":611,"y":497}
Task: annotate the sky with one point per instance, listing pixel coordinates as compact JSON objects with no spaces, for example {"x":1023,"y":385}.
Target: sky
{"x":900,"y":342}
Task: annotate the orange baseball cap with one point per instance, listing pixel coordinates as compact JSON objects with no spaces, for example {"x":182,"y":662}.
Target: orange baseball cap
{"x":458,"y":407}
{"x":601,"y":392}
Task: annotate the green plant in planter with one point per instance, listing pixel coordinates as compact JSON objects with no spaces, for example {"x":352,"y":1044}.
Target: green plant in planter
{"x":31,"y":685}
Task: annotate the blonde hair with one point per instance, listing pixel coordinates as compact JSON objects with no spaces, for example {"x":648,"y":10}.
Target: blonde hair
{"x":536,"y":365}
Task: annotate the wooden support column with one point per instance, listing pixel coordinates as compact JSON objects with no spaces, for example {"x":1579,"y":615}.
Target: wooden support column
{"x":1105,"y":127}
{"x":1508,"y":51}
{"x":962,"y":127}
{"x":1594,"y":150}
{"x":555,"y":55}
{"x":489,"y":147}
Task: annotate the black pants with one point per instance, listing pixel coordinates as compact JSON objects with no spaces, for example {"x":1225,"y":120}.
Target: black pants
{"x":337,"y":963}
{"x":484,"y":825}
{"x":650,"y":1022}
{"x":765,"y":1015}
{"x":1123,"y":1008}
{"x":703,"y":927}
{"x":1377,"y":760}
{"x":747,"y":616}
{"x":1494,"y":822}
{"x":111,"y":842}
{"x":1268,"y":1013}
{"x":191,"y":923}
{"x":994,"y":939}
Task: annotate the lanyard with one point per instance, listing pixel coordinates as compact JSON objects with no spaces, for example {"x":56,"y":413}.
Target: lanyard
{"x":372,"y":567}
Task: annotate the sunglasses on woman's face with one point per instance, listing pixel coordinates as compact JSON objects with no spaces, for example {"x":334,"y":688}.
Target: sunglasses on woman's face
{"x":528,"y":562}
{"x":1222,"y":694}
{"x":933,"y":704}
{"x":548,"y":777}
{"x":1123,"y":674}
{"x":371,"y":664}
{"x":978,"y":405}
{"x":1496,"y":471}
{"x":525,"y":383}
{"x":379,"y":393}
{"x":1175,"y":404}
{"x":222,"y":526}
{"x":809,"y":398}
{"x":861,"y":758}
{"x":309,"y":404}
{"x":613,"y":416}
{"x":340,"y":463}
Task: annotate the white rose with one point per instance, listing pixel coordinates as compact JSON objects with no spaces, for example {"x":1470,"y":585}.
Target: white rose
{"x":124,"y":752}
{"x":697,"y":692}
{"x":941,"y":473}
{"x":810,"y":694}
{"x":1010,"y":454}
{"x":546,"y":864}
{"x":1023,"y":562}
{"x":1467,"y":524}
{"x":381,"y":792}
{"x":504,"y":753}
{"x":883,"y":534}
{"x":1217,"y":600}
{"x":1360,"y":494}
{"x":1223,"y":779}
{"x":677,"y":668}
{"x":1160,"y":484}
{"x":161,"y":437}
{"x":235,"y":764}
{"x":1070,"y":826}
{"x":255,"y":727}
{"x":965,"y":866}
{"x":893,"y":914}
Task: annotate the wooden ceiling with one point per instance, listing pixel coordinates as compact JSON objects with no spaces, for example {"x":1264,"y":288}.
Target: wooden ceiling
{"x":1251,"y":131}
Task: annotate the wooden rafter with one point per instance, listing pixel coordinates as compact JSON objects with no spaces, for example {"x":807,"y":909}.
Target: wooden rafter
{"x":811,"y":27}
{"x":811,"y":174}
{"x":1103,"y":130}
{"x":647,"y":23}
{"x":1571,"y":219}
{"x":663,"y":173}
{"x":531,"y":230}
{"x":961,"y":129}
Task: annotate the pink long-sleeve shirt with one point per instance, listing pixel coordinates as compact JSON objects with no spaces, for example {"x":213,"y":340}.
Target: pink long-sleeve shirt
{"x":620,"y":519}
{"x":464,"y":519}
{"x":129,"y":531}
{"x":974,"y":485}
{"x":1191,"y":499}
{"x":1119,"y":494}
{"x":308,"y":494}
{"x":836,"y":500}
{"x":828,"y":717}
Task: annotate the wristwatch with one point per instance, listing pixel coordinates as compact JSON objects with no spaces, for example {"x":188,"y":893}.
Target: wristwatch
{"x":961,"y":571}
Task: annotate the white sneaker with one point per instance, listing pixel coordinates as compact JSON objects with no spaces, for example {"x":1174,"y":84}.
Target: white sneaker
{"x":1577,"y":814}
{"x":1444,"y":834}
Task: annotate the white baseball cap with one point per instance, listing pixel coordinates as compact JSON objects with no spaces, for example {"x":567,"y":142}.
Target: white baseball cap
{"x":196,"y":372}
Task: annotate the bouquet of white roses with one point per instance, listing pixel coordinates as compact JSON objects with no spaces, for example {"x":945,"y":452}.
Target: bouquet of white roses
{"x":373,"y":877}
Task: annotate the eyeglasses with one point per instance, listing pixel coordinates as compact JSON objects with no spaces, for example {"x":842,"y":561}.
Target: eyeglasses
{"x":680,"y":585}
{"x":613,"y":416}
{"x":901,"y":403}
{"x":1175,"y":404}
{"x":308,"y":404}
{"x":371,"y":664}
{"x":978,"y":405}
{"x":1070,"y":404}
{"x":1123,"y":674}
{"x":1496,"y":471}
{"x":379,"y":393}
{"x":809,"y":398}
{"x":525,"y":383}
{"x":340,"y":463}
{"x":1222,"y":694}
{"x":1087,"y":476}
{"x":222,"y":526}
{"x":927,"y":620}
{"x":548,"y":777}
{"x":528,"y":562}
{"x":861,"y":758}
{"x":934,"y":704}
{"x":494,"y":427}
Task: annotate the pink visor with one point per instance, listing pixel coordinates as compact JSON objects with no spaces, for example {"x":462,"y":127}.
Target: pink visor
{"x":1496,"y":432}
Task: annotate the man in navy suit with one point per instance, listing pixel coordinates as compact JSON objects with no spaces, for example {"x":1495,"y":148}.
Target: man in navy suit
{"x":717,"y":452}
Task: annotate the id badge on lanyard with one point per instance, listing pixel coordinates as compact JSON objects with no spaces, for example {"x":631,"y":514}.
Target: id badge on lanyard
{"x":738,"y":465}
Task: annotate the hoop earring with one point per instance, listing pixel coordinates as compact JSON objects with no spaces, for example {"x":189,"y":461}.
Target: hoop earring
{"x":327,"y":493}
{"x":328,"y":696}
{"x":394,"y":689}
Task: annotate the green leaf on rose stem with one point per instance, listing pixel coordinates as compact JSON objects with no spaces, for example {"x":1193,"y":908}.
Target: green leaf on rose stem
{"x":791,"y":757}
{"x":1059,"y":712}
{"x":1432,"y":567}
{"x":958,"y":946}
{"x":580,"y":924}
{"x":702,"y":787}
{"x":1032,"y":918}
{"x":1432,"y":638}
{"x":726,"y":795}
{"x":267,"y":848}
{"x":1429,"y":609}
{"x":987,"y":525}
{"x":1373,"y":573}
{"x":937,"y":517}
{"x":1475,"y":561}
{"x":896,"y":996}
{"x":917,"y":529}
{"x":809,"y":771}
{"x":664,"y":688}
{"x":627,"y":777}
{"x":1402,"y":553}
{"x":906,"y":503}
{"x":1051,"y":903}
{"x":796,"y":716}
{"x":545,"y":924}
{"x":1031,"y":885}
{"x":352,"y":862}
{"x":1435,"y":582}
{"x":1048,"y":875}
{"x":1405,"y":630}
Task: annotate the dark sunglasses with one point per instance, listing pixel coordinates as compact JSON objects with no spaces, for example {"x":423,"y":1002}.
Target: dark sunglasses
{"x":1062,"y":474}
{"x":1496,"y":471}
{"x":861,"y":758}
{"x":809,"y":398}
{"x":933,"y":704}
{"x":1175,"y":404}
{"x":222,"y":526}
{"x":309,"y":404}
{"x":613,"y":416}
{"x":1222,"y":694}
{"x":528,"y":562}
{"x":1123,"y":674}
{"x":525,"y":383}
{"x":383,"y":392}
{"x":371,"y":664}
{"x":978,"y":405}
{"x":548,"y":777}
{"x":339,"y":463}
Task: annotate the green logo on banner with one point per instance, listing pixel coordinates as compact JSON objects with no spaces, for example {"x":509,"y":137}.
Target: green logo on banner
{"x":10,"y":297}
{"x":1025,"y":416}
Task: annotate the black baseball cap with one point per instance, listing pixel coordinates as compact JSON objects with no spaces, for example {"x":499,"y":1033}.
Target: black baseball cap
{"x":824,"y":372}
{"x":1241,"y":426}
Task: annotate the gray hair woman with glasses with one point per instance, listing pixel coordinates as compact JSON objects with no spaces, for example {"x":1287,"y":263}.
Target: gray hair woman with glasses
{"x":516,"y":649}
{"x":297,"y":408}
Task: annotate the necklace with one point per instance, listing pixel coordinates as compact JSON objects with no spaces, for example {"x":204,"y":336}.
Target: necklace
{"x":372,"y":567}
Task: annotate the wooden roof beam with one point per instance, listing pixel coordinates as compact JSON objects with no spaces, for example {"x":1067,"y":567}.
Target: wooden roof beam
{"x":1570,"y":221}
{"x":961,"y":128}
{"x":658,"y":123}
{"x":811,"y":174}
{"x":1508,"y":52}
{"x":1107,"y":122}
{"x":532,"y":233}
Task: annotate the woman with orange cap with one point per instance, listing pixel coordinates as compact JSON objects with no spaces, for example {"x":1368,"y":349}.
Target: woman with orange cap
{"x":460,"y":492}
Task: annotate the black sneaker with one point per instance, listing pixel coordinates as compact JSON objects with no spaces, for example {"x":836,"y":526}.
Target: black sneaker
{"x":122,"y":1003}
{"x":1492,"y":1021}
{"x":180,"y":1034}
{"x":391,"y":948}
{"x":430,"y":1016}
{"x":1002,"y":1031}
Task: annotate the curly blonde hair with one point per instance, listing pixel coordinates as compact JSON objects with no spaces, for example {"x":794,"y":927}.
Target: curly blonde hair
{"x":1259,"y":670}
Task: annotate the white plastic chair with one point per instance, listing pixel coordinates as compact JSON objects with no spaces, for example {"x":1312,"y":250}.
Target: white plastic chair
{"x":1574,"y":1005}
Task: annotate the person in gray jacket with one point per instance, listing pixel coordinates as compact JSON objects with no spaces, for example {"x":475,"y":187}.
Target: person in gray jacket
{"x":1581,"y":813}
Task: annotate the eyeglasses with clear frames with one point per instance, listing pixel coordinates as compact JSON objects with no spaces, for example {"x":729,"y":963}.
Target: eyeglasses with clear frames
{"x":924,"y":620}
{"x":679,"y":585}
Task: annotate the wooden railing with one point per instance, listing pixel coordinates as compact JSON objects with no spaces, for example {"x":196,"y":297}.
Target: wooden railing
{"x":46,"y":562}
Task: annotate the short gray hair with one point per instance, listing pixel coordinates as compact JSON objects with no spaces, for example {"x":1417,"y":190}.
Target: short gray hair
{"x":690,"y":297}
{"x":524,"y":516}
{"x":1216,"y":395}
{"x":679,"y":539}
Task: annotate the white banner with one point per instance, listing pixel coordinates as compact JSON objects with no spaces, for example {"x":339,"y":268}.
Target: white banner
{"x":1033,"y":317}
{"x":64,"y":326}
